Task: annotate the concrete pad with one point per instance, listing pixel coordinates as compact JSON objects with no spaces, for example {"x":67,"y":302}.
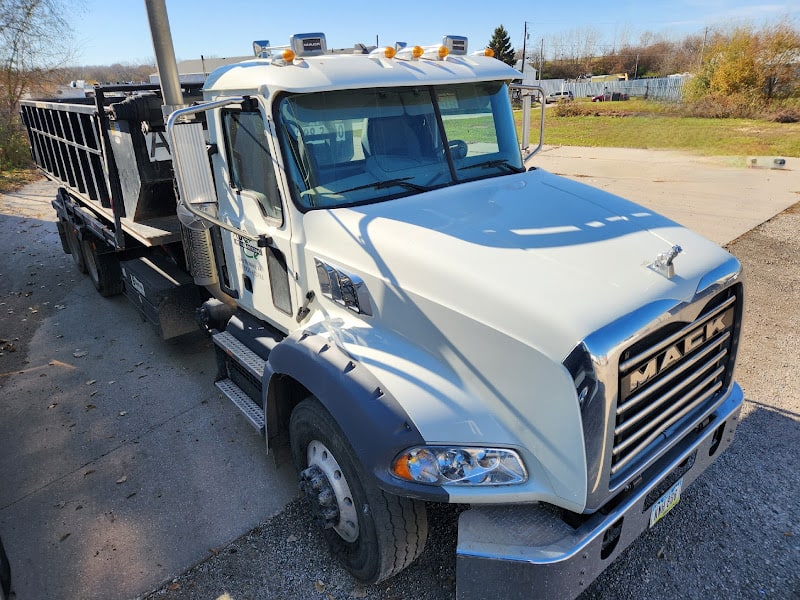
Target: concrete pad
{"x":718,"y":197}
{"x":121,"y":466}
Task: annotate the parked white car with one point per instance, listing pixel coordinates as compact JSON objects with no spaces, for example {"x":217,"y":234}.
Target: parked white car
{"x":559,"y":97}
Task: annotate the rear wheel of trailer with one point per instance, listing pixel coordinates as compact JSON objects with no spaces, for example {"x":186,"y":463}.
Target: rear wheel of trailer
{"x":103,"y":268}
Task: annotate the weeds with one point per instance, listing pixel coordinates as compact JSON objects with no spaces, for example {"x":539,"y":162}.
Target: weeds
{"x":14,"y":150}
{"x":13,"y":179}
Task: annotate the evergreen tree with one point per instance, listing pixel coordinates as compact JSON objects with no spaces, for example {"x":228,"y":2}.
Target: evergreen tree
{"x":501,"y":44}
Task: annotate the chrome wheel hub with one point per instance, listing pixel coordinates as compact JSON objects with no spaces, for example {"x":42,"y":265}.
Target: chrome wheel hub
{"x":328,"y":492}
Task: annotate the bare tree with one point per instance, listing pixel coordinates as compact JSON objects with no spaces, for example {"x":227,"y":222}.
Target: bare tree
{"x":34,"y":40}
{"x":573,"y":52}
{"x":779,"y":54}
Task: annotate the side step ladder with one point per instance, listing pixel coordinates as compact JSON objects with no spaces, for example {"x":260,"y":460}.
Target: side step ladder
{"x":250,"y":362}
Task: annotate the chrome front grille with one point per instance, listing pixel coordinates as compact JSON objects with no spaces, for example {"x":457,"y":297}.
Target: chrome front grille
{"x":671,"y":379}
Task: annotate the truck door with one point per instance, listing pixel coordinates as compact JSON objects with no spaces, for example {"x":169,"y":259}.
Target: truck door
{"x":249,"y":199}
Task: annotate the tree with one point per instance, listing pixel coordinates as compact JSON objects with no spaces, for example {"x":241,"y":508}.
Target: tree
{"x":34,"y":40}
{"x":501,"y":44}
{"x":780,"y":55}
{"x":748,"y":67}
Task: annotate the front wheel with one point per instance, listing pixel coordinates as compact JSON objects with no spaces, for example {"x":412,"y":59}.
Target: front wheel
{"x":375,"y":535}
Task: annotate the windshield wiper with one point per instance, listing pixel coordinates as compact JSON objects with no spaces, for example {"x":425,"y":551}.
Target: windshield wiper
{"x":379,"y":185}
{"x":496,"y":162}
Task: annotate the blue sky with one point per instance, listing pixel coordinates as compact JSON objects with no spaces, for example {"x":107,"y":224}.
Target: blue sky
{"x":108,"y":32}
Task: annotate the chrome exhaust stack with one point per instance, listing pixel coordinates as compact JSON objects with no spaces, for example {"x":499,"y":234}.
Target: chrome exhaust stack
{"x":165,"y":56}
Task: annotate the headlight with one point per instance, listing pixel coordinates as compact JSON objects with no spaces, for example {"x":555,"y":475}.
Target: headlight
{"x":440,"y":465}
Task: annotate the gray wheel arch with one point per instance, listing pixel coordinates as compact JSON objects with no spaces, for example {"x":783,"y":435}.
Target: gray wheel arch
{"x":373,"y":421}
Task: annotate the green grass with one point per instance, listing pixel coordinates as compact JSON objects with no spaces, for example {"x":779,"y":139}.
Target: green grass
{"x":472,"y":129}
{"x":639,"y":124}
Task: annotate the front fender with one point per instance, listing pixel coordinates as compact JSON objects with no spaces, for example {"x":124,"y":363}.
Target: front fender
{"x":373,"y":421}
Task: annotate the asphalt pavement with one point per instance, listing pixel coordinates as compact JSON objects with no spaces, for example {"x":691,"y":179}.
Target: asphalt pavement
{"x":122,"y":468}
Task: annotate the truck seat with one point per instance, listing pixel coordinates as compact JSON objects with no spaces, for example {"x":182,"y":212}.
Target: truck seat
{"x":392,"y":136}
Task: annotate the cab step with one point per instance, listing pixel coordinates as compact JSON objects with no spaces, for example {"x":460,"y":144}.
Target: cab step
{"x":240,"y":379}
{"x":252,"y":411}
{"x":236,"y":350}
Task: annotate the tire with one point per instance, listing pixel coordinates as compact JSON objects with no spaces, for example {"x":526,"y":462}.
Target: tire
{"x":5,"y":574}
{"x":103,"y":269}
{"x":74,"y":245}
{"x":374,"y":534}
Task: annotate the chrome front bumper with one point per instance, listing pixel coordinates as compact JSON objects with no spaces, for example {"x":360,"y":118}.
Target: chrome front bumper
{"x":528,"y":551}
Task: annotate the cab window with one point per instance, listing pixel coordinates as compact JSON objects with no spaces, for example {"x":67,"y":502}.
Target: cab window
{"x":348,"y":147}
{"x":250,"y":163}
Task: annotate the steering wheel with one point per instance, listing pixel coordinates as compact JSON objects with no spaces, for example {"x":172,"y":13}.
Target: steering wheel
{"x":458,"y":149}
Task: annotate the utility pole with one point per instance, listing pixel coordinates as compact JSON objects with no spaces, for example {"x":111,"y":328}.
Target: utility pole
{"x":541,"y":61}
{"x":524,"y":40}
{"x":703,"y":47}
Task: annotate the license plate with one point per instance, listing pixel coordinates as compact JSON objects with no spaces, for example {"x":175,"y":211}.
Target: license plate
{"x":666,"y":503}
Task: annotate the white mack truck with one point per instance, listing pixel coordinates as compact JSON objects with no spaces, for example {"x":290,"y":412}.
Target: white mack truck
{"x":404,"y":309}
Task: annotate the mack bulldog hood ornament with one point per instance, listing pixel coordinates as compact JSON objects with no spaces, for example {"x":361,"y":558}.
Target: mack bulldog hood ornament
{"x":663,"y":262}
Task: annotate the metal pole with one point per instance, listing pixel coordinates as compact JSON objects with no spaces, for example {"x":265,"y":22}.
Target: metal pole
{"x":703,"y":47}
{"x":541,"y":61}
{"x":165,"y":54}
{"x":526,"y":120}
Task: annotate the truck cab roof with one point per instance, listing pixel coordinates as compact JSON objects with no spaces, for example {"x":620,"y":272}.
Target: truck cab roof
{"x":351,"y":71}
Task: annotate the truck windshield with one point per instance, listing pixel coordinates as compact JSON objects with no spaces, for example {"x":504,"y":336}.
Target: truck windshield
{"x":355,"y":146}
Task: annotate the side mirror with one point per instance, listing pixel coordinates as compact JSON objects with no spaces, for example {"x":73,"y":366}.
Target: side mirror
{"x":526,"y":92}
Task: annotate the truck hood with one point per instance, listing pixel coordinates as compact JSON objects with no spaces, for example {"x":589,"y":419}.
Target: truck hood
{"x":544,"y":259}
{"x":480,"y":291}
